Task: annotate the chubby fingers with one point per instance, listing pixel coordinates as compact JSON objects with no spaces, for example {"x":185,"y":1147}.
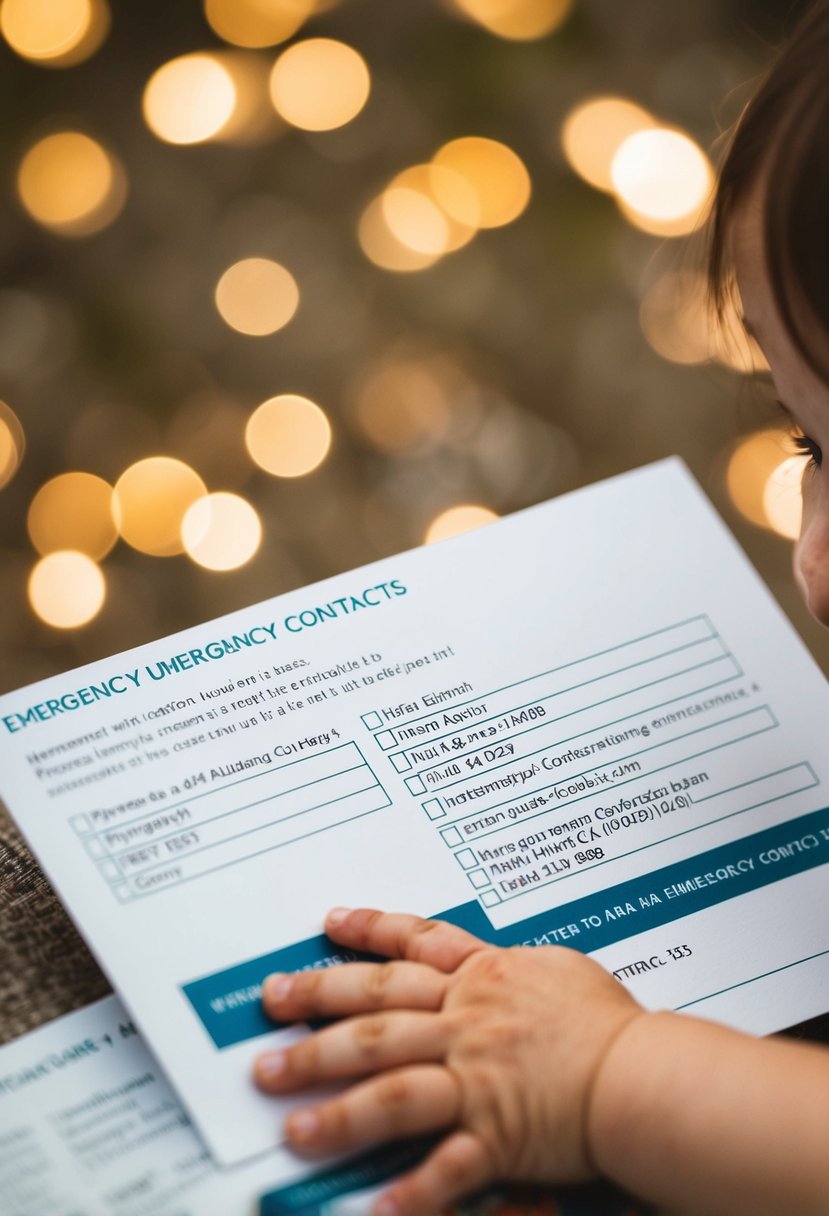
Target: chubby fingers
{"x":353,"y":988}
{"x":404,"y":1102}
{"x":457,"y":1167}
{"x":354,"y":1048}
{"x":397,"y":935}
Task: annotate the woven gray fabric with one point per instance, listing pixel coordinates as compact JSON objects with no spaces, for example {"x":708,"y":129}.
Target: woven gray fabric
{"x":45,"y":966}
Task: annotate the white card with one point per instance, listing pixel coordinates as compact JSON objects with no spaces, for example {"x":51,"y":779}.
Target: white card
{"x":89,"y":1126}
{"x":588,"y":723}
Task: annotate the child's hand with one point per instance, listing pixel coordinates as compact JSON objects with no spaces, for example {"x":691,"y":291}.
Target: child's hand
{"x":498,"y":1047}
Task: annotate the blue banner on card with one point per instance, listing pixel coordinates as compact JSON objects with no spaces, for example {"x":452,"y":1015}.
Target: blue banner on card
{"x":229,"y":1004}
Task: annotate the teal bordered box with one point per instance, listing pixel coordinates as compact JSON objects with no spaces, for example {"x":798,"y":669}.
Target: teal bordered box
{"x":372,"y":720}
{"x":478,"y":878}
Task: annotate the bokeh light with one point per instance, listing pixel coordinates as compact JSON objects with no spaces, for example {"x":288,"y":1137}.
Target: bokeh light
{"x":680,"y":324}
{"x":149,"y":503}
{"x":415,"y":220}
{"x":190,"y":99}
{"x":288,"y":436}
{"x":221,"y":531}
{"x":383,"y":248}
{"x":73,"y":511}
{"x":594,"y":131}
{"x":733,"y":346}
{"x":675,"y":318}
{"x":55,"y":33}
{"x":520,"y":20}
{"x":455,"y":520}
{"x":257,"y":296}
{"x":319,"y":84}
{"x":67,"y":589}
{"x":496,"y":175}
{"x":12,"y":444}
{"x":752,"y":463}
{"x":423,"y":206}
{"x":403,"y":405}
{"x":662,"y":180}
{"x":71,"y":184}
{"x":782,"y":498}
{"x":257,"y":23}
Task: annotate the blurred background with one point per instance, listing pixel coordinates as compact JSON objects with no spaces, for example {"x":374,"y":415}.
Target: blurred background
{"x":288,"y":286}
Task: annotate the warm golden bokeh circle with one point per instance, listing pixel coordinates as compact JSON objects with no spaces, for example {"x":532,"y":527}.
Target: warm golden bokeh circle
{"x":593,"y":132}
{"x":751,"y":464}
{"x":54,"y":33}
{"x":71,"y":184}
{"x":383,"y":248}
{"x":517,"y":20}
{"x":403,"y":406}
{"x":150,"y":500}
{"x":257,"y":23}
{"x":257,"y":296}
{"x":288,"y":436}
{"x":66,"y":589}
{"x":189,"y":99}
{"x":497,"y":177}
{"x":783,"y":499}
{"x":662,"y":180}
{"x":319,"y":84}
{"x":462,"y":518}
{"x":12,"y":444}
{"x":430,"y":209}
{"x":415,"y":220}
{"x":680,"y":324}
{"x":221,"y":531}
{"x":73,"y":511}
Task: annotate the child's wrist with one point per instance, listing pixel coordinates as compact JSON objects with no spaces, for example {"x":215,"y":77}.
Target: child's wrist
{"x":609,"y":1099}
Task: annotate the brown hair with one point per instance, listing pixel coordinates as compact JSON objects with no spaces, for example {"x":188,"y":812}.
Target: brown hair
{"x":783,"y":134}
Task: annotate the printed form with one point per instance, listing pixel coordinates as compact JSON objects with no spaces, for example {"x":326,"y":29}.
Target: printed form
{"x":89,"y":1126}
{"x":588,"y":724}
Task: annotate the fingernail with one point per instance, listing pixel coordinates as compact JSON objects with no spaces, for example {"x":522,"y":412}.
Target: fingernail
{"x":303,"y":1124}
{"x":337,"y":915}
{"x":277,"y":988}
{"x":386,"y":1206}
{"x":270,"y":1065}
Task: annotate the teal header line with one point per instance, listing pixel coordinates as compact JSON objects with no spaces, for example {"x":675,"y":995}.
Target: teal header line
{"x":229,"y":1003}
{"x":218,"y":648}
{"x":318,"y":1195}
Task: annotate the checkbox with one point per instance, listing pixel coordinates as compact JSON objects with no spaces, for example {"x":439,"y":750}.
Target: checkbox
{"x":386,"y":739}
{"x":488,"y":898}
{"x":95,"y":849}
{"x":401,"y":762}
{"x":478,"y":878}
{"x":372,"y":720}
{"x":452,"y":836}
{"x":122,"y":893}
{"x":81,"y":824}
{"x":434,"y":809}
{"x":109,"y":870}
{"x":466,"y":859}
{"x":415,"y":785}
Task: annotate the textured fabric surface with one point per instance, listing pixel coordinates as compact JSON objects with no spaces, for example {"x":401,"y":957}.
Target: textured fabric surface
{"x":45,"y":966}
